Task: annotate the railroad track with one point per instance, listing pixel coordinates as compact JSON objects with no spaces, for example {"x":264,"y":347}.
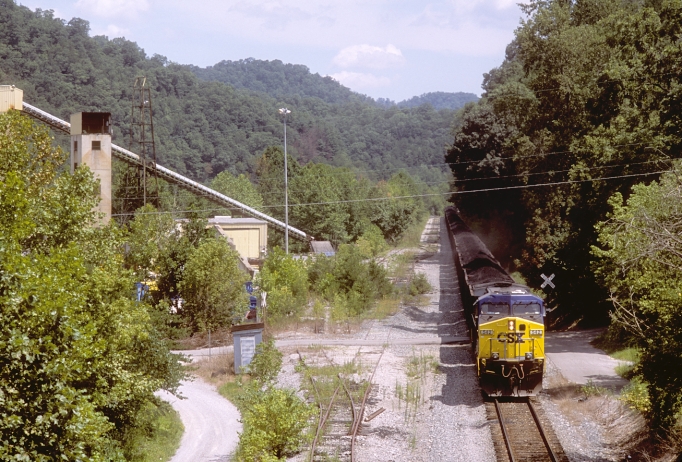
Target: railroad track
{"x":331,"y":436}
{"x":521,"y":433}
{"x":341,"y":416}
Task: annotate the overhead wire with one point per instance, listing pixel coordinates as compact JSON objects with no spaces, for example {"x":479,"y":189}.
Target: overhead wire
{"x":468,"y":162}
{"x":456,"y":181}
{"x":449,"y":193}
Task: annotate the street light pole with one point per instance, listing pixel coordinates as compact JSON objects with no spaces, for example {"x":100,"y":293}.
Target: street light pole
{"x":284,"y":111}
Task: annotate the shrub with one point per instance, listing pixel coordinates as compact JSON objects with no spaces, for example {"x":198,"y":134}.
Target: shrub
{"x":285,"y":280}
{"x":266,"y":363}
{"x":275,"y":424}
{"x":636,"y":396}
{"x":372,"y":242}
{"x":419,"y":285}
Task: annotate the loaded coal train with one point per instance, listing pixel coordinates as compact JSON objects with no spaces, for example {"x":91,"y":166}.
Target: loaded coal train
{"x":505,"y":319}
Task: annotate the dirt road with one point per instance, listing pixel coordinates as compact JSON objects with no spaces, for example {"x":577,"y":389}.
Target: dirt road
{"x":211,"y":423}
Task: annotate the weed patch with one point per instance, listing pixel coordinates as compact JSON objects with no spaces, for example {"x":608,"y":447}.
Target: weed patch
{"x":157,"y":435}
{"x":636,"y":396}
{"x":591,"y":389}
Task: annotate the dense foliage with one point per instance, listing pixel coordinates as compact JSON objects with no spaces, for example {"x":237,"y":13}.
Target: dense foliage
{"x":238,"y":188}
{"x":335,"y":204}
{"x":348,"y":282}
{"x":589,"y":89}
{"x":285,"y":280}
{"x":284,"y":80}
{"x":212,"y":286}
{"x":639,"y":260}
{"x":79,"y":358}
{"x":204,"y":127}
{"x":278,"y":80}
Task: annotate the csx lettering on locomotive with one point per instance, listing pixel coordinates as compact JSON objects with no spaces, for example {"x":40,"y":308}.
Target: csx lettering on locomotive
{"x":511,"y":337}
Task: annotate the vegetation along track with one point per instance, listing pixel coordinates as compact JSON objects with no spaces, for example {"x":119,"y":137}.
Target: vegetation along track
{"x":341,"y":413}
{"x":521,"y":433}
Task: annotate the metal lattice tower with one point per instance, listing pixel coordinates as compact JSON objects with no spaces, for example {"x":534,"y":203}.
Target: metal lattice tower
{"x":142,"y":134}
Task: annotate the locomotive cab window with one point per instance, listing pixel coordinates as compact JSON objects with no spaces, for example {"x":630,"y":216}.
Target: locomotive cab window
{"x":495,"y":308}
{"x":526,"y":308}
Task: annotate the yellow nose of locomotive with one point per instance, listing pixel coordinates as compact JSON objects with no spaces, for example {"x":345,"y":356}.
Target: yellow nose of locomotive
{"x":511,"y":356}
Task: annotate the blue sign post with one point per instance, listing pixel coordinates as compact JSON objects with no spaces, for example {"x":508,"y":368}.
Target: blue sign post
{"x":141,"y":290}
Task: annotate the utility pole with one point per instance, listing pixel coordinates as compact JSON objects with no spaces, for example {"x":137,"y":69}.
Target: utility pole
{"x":284,"y":111}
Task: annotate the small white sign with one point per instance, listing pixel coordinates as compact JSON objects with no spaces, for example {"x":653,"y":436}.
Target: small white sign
{"x":248,"y":349}
{"x":548,"y":281}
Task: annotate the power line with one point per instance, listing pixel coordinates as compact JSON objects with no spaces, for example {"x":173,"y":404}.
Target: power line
{"x":456,"y":181}
{"x":375,"y":199}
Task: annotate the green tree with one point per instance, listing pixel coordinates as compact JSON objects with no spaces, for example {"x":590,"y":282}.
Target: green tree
{"x":371,"y":243}
{"x":266,"y":363}
{"x":319,"y":184}
{"x":285,"y":280}
{"x":349,"y":281}
{"x":238,"y":188}
{"x":79,"y":357}
{"x":179,"y":245}
{"x":639,"y":262}
{"x":149,"y":233}
{"x":276,"y":421}
{"x":584,"y":89}
{"x":213,"y":286}
{"x":396,"y":208}
{"x":270,"y":175}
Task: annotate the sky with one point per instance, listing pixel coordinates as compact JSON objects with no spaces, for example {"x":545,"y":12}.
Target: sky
{"x":393,"y":49}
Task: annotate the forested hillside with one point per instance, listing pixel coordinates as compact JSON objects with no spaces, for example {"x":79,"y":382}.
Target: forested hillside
{"x":205,"y":127}
{"x":278,"y":79}
{"x":281,"y":80}
{"x":588,"y":90}
{"x":441,"y":100}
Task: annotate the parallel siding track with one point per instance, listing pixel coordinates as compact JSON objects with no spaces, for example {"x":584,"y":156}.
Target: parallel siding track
{"x":341,"y":417}
{"x":521,"y":433}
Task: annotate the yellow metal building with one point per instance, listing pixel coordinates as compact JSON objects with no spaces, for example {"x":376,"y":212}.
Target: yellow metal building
{"x":248,"y":235}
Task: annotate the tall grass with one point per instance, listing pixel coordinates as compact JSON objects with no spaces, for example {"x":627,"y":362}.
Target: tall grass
{"x":158,"y":437}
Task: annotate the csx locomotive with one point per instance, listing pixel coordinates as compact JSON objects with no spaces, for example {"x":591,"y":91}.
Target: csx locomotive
{"x":506,"y":319}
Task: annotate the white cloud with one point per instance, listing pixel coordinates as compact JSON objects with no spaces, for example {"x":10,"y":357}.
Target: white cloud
{"x":468,"y":27}
{"x":273,"y":14}
{"x":503,"y":4}
{"x":360,"y":81}
{"x":113,"y":8}
{"x":112,"y":30}
{"x":368,"y":56}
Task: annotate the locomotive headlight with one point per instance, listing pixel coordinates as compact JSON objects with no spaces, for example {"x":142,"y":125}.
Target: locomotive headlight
{"x":536,"y":332}
{"x":486,"y":332}
{"x":529,"y":356}
{"x":495,"y":356}
{"x":512,"y":325}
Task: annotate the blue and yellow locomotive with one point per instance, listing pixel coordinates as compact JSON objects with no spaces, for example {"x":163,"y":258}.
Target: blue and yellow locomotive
{"x":506,"y":319}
